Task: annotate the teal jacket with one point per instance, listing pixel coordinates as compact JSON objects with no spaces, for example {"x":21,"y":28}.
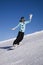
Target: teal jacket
{"x":22,"y":26}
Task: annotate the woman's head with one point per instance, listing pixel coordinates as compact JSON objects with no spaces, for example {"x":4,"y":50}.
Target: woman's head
{"x":22,"y":19}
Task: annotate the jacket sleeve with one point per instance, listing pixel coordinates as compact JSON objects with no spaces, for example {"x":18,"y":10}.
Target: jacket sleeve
{"x":16,"y":27}
{"x":26,"y":22}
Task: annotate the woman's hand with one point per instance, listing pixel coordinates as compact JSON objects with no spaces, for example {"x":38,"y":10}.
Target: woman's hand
{"x":13,"y":28}
{"x":30,"y":17}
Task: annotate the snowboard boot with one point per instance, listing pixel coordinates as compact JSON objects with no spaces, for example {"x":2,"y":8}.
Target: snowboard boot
{"x":17,"y":43}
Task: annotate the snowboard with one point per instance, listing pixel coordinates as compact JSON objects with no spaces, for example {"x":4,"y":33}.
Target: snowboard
{"x":13,"y":47}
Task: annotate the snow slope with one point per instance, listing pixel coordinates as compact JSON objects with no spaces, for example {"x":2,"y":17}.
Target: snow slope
{"x":30,"y":51}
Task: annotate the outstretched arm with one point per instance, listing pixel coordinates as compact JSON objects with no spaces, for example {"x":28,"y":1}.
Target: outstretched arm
{"x":15,"y":27}
{"x":30,"y":18}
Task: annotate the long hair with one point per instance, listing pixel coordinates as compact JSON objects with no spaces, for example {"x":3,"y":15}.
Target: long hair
{"x":21,"y":19}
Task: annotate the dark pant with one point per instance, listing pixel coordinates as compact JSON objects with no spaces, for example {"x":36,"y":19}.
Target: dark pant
{"x":19,"y":38}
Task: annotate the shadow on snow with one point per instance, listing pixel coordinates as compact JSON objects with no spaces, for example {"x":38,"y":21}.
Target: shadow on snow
{"x":6,"y":47}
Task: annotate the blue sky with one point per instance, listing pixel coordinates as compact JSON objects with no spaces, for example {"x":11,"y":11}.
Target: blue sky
{"x":12,"y":10}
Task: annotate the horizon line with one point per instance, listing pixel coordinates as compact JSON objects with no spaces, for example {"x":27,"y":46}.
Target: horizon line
{"x":24,"y":36}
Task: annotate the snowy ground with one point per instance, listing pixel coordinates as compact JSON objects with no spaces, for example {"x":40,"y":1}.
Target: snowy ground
{"x":30,"y":51}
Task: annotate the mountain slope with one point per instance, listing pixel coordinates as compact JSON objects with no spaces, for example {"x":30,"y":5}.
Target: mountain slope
{"x":30,"y":51}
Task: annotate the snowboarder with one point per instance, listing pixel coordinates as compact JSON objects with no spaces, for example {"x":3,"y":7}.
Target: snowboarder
{"x":21,"y":25}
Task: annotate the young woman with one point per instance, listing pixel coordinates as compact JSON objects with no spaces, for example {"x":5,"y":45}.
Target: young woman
{"x":22,"y":26}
